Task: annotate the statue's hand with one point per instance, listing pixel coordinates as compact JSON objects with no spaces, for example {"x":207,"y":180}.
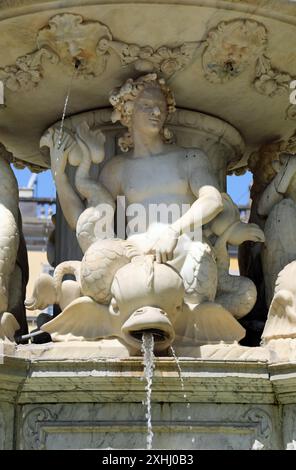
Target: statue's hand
{"x":163,"y":249}
{"x":93,"y":140}
{"x":59,"y":149}
{"x":240,"y":232}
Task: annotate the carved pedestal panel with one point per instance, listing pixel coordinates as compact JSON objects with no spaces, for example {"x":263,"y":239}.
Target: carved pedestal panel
{"x":97,"y":404}
{"x":123,"y":426}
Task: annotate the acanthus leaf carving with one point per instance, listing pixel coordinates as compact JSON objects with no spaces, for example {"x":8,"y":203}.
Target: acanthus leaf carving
{"x":27,"y":71}
{"x":270,"y":81}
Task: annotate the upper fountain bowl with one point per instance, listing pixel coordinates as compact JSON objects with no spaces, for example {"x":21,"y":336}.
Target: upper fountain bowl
{"x":233,"y":62}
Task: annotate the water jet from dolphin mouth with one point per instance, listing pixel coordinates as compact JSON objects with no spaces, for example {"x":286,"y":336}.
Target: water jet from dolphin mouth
{"x":147,"y":350}
{"x":76,"y":67}
{"x":188,"y":404}
{"x":158,"y":335}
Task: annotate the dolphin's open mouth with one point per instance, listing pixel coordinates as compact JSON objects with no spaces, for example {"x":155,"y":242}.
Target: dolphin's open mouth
{"x":150,"y":320}
{"x":159,"y":335}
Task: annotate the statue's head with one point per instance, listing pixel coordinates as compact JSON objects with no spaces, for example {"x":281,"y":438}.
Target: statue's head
{"x":142,"y":105}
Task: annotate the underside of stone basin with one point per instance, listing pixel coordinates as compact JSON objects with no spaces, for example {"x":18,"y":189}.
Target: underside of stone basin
{"x":33,"y":101}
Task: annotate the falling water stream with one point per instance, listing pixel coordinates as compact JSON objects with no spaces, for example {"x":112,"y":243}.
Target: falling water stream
{"x":66,"y":104}
{"x":147,"y":350}
{"x":188,"y":406}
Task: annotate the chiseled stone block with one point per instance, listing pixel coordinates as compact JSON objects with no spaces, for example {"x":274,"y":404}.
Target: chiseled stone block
{"x":123,"y":426}
{"x":6,"y":426}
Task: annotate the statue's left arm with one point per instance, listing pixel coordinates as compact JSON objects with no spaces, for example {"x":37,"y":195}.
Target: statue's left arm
{"x":207,"y":206}
{"x":204,"y":186}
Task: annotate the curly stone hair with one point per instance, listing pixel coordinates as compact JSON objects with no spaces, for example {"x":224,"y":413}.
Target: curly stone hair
{"x":123,"y":98}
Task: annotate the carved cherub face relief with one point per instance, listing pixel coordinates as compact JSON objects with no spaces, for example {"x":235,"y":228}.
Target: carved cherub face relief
{"x":149,"y":112}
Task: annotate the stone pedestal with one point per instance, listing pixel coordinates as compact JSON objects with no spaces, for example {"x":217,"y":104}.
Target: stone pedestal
{"x":97,"y":404}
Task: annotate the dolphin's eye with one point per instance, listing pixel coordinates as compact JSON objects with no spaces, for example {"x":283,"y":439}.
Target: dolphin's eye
{"x":139,"y":311}
{"x":114,"y":305}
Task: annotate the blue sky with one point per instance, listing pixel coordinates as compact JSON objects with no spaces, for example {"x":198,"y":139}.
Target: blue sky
{"x":237,"y":186}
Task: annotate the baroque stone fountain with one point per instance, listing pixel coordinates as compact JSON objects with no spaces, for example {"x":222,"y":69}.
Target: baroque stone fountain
{"x":152,"y":125}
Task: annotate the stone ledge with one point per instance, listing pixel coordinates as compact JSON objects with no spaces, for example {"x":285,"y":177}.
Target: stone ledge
{"x":54,"y":404}
{"x":42,"y":376}
{"x":98,"y":380}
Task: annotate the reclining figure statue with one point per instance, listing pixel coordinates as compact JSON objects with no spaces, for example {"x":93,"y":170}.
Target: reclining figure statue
{"x":170,"y":277}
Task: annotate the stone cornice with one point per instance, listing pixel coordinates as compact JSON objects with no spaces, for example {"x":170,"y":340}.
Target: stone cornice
{"x":23,"y":381}
{"x":283,"y":11}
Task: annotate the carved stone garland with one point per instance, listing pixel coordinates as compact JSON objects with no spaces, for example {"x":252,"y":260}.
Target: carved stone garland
{"x":68,"y":38}
{"x":230,"y":48}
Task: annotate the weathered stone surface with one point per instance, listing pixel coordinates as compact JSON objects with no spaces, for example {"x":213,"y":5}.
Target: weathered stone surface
{"x":98,"y":404}
{"x":175,"y":426}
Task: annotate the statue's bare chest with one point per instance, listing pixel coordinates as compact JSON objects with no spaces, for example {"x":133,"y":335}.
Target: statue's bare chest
{"x":148,"y":177}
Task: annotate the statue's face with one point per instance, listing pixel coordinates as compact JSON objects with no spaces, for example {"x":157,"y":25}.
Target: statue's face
{"x":150,"y":111}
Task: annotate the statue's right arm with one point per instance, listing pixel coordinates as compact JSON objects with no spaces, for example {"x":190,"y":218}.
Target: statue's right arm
{"x":71,"y":204}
